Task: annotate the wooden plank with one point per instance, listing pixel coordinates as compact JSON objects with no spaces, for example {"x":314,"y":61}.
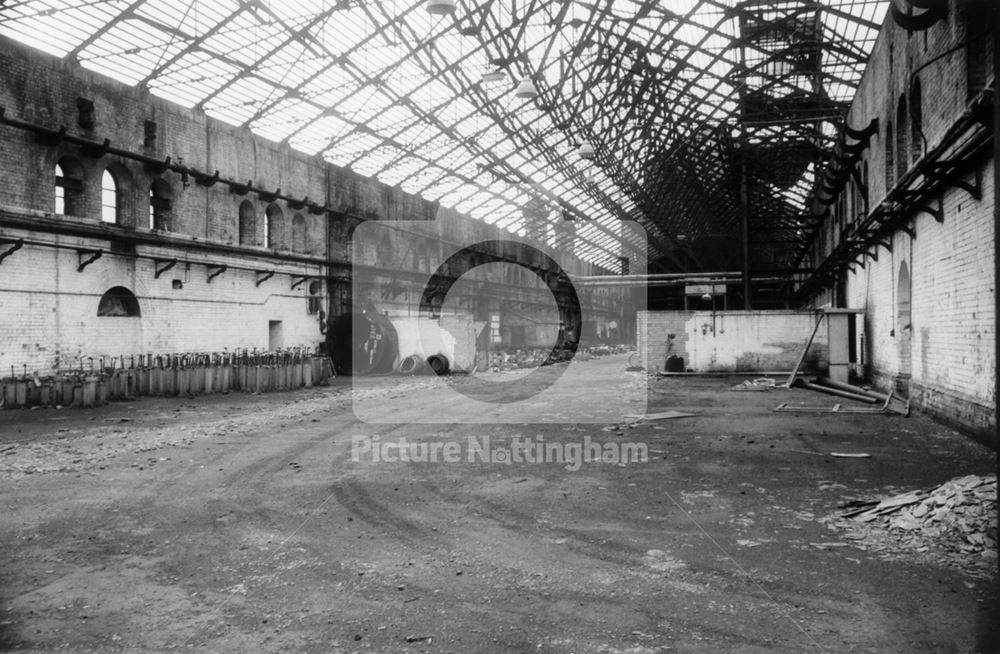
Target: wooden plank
{"x":802,"y":357}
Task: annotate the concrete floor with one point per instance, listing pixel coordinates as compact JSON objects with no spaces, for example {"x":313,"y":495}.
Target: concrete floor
{"x":241,"y":523}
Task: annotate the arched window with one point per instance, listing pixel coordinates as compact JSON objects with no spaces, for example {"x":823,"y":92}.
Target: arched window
{"x":916,"y":121}
{"x":69,"y":187}
{"x":161,"y":203}
{"x":118,"y":302}
{"x":315,"y":299}
{"x":298,"y":233}
{"x":109,"y":198}
{"x":902,"y":139}
{"x":890,"y":160}
{"x":248,"y":224}
{"x":116,"y":187}
{"x":273,"y":227}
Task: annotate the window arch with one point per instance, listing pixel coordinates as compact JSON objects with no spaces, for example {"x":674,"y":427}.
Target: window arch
{"x":916,"y":121}
{"x":116,"y":184}
{"x":161,"y":204}
{"x":890,"y":160}
{"x":273,"y":226}
{"x":314,"y":303}
{"x":248,"y":224}
{"x":69,"y":187}
{"x":118,"y":302}
{"x":902,"y":139}
{"x":109,"y":198}
{"x":298,"y":233}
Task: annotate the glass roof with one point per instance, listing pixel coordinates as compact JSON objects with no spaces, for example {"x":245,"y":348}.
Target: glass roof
{"x":669,"y":94}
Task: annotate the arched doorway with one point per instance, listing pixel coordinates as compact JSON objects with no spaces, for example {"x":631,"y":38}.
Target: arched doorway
{"x":904,"y":328}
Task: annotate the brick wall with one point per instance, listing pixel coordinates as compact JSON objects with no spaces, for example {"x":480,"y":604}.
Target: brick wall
{"x":653,"y":337}
{"x":48,"y":310}
{"x":944,"y":354}
{"x":737,"y":341}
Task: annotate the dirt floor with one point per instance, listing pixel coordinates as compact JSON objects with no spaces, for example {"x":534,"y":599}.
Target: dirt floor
{"x":240,"y":523}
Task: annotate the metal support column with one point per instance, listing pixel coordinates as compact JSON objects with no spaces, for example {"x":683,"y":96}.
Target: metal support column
{"x":996,"y":238}
{"x":745,"y":225}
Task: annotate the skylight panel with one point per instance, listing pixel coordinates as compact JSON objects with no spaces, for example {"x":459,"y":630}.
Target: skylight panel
{"x":35,"y":23}
{"x":391,"y":87}
{"x":192,"y":78}
{"x":241,"y":100}
{"x":130,"y":51}
{"x":285,"y":118}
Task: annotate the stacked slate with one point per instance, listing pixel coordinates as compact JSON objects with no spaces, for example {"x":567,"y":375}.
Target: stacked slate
{"x":955,"y":522}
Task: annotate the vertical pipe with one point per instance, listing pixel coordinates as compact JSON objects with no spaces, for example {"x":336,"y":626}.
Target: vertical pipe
{"x":996,"y":238}
{"x":745,"y":224}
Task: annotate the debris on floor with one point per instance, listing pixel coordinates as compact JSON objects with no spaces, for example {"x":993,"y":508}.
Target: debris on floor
{"x":953,"y":524}
{"x":532,"y":357}
{"x":663,"y":415}
{"x":888,"y":403}
{"x":786,"y":407}
{"x":759,"y":384}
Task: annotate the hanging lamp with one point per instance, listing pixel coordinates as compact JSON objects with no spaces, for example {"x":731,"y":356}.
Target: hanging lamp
{"x":586,"y":150}
{"x":494,"y":76}
{"x":440,"y":7}
{"x":525,"y":89}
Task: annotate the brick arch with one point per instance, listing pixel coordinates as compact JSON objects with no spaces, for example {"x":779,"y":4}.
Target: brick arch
{"x":274,"y":227}
{"x":902,"y":138}
{"x":247,"y":224}
{"x":119,"y":302}
{"x":890,"y":159}
{"x":69,"y":187}
{"x":161,"y":205}
{"x":916,"y":121}
{"x":299,"y":243}
{"x":121,"y":200}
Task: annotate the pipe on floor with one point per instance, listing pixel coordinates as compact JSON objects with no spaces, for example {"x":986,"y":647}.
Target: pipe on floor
{"x":837,"y":391}
{"x":826,"y":381}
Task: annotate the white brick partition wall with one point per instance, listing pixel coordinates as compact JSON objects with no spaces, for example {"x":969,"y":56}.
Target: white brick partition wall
{"x":48,"y":310}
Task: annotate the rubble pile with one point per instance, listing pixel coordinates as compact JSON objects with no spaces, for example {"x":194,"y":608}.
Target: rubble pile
{"x":954,"y":523}
{"x":759,"y":384}
{"x":532,"y":357}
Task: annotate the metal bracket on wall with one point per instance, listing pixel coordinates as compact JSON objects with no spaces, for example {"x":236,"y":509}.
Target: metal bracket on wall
{"x":909,"y":230}
{"x":158,"y":167}
{"x":97,"y":151}
{"x":947,"y":171}
{"x":240,"y":189}
{"x":15,"y":245}
{"x":936,"y":209}
{"x":51,"y":138}
{"x":263,"y":276}
{"x":163,"y":265}
{"x":201,"y":179}
{"x":298,"y":281}
{"x":269,"y":196}
{"x":975,"y":190}
{"x":215,"y":270}
{"x":87,"y":257}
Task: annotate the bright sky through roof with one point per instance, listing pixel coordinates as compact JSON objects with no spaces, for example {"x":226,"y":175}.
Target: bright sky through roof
{"x":397,"y":93}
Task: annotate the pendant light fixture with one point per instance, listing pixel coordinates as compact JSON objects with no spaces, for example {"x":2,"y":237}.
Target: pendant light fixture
{"x":440,"y":7}
{"x":586,"y":150}
{"x":526,"y":89}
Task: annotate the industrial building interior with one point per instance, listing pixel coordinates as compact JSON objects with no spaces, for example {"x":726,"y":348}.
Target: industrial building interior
{"x":499,"y":326}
